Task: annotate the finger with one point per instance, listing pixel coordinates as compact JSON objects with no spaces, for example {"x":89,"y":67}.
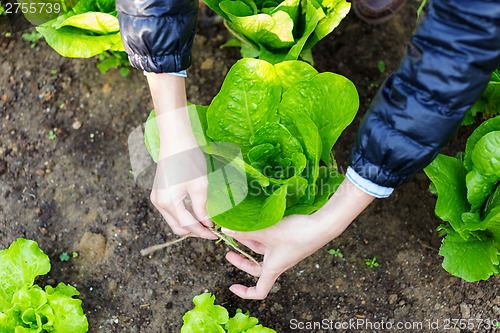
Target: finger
{"x":198,"y":195}
{"x":260,"y":291}
{"x":244,"y":264}
{"x":255,"y":246}
{"x":200,"y":230}
{"x":187,"y":221}
{"x":173,"y":223}
{"x":242,"y":235}
{"x":207,"y":221}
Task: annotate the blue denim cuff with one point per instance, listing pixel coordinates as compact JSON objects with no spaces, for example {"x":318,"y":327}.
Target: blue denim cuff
{"x":368,"y":186}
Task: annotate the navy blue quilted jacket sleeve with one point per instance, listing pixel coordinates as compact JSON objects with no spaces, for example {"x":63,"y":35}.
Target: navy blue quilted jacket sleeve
{"x":447,"y":65}
{"x":158,"y":34}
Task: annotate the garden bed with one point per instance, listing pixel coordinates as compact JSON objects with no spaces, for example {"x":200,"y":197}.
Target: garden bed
{"x":74,"y":192}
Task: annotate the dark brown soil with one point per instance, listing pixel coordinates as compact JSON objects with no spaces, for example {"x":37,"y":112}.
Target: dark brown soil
{"x":75,"y":193}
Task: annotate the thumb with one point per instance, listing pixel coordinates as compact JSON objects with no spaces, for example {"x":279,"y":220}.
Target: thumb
{"x":253,"y":235}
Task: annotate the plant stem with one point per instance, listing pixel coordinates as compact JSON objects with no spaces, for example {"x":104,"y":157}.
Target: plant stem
{"x":218,"y":234}
{"x":158,"y":247}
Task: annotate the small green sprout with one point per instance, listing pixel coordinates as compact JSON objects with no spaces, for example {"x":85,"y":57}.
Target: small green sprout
{"x":32,"y":37}
{"x":52,"y":135}
{"x":374,"y":85}
{"x":54,"y":71}
{"x":336,"y":253}
{"x":75,"y":255}
{"x":381,"y":66}
{"x":64,"y":256}
{"x":230,"y":239}
{"x":124,"y":71}
{"x":131,"y":172}
{"x":497,"y":324}
{"x":372,"y":262}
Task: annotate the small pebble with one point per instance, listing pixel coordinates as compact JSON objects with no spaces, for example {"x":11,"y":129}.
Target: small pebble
{"x":76,"y":125}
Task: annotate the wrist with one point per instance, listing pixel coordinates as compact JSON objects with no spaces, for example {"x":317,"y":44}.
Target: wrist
{"x":342,"y":208}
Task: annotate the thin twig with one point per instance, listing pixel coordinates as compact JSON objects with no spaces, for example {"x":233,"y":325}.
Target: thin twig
{"x":428,"y":247}
{"x":158,"y":247}
{"x":218,"y":234}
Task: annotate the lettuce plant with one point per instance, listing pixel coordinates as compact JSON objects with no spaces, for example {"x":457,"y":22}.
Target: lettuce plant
{"x":277,"y":30}
{"x":84,"y":30}
{"x":27,"y":308}
{"x":89,"y":28}
{"x":468,"y":192}
{"x":283,"y":121}
{"x":207,"y":317}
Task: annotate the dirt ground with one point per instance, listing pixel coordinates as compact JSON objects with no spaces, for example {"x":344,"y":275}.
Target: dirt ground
{"x":74,"y":192}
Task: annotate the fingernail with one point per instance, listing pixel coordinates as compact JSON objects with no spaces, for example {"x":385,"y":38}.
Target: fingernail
{"x":228,"y":232}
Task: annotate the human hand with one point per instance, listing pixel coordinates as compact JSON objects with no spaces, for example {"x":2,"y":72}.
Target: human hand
{"x":177,"y":176}
{"x":294,"y":238}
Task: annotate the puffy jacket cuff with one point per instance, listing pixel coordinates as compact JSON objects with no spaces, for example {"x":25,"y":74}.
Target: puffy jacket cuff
{"x":375,"y":173}
{"x":170,"y":63}
{"x":368,"y":186}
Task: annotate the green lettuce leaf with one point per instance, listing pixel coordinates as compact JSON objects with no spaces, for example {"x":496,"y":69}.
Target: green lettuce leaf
{"x":205,"y":317}
{"x":71,"y":42}
{"x":20,"y":264}
{"x":152,"y":136}
{"x":472,"y":259}
{"x":304,"y":129}
{"x":448,"y":175}
{"x":486,"y":127}
{"x":273,"y":31}
{"x":247,"y":100}
{"x":290,"y":72}
{"x":240,"y":323}
{"x":67,"y":314}
{"x":260,"y":329}
{"x":257,"y":211}
{"x":311,"y":18}
{"x":329,"y":100}
{"x":485,"y":174}
{"x":492,"y":202}
{"x":328,"y":182}
{"x":336,"y":11}
{"x":9,"y":320}
{"x":492,"y":221}
{"x":99,"y":23}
